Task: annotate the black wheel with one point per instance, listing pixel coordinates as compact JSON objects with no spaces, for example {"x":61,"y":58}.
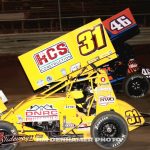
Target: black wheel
{"x":7,"y":129}
{"x":109,"y":130}
{"x":136,"y":86}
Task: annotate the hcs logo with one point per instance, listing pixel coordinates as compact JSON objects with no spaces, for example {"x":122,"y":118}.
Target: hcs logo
{"x":52,"y":56}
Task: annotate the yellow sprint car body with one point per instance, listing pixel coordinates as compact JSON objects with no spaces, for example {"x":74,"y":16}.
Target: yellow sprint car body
{"x":88,"y":108}
{"x":49,"y":115}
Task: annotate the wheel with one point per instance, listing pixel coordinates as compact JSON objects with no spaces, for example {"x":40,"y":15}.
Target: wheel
{"x":136,"y":86}
{"x":7,"y":129}
{"x":109,"y":130}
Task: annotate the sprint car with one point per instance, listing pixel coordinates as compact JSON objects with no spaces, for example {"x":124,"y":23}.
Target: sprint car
{"x":91,"y":112}
{"x":75,"y":115}
{"x":124,"y":72}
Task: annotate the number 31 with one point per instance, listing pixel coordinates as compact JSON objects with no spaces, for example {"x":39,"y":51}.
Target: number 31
{"x":91,"y":40}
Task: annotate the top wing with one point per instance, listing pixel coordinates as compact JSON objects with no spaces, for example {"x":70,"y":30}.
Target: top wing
{"x":121,"y":26}
{"x":68,"y":54}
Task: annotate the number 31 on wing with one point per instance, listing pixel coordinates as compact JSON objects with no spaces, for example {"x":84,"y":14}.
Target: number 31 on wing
{"x":91,"y":40}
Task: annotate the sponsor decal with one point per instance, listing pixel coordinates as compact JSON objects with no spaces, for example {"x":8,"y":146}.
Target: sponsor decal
{"x":132,"y":66}
{"x":69,"y":125}
{"x":75,"y":67}
{"x":63,"y":71}
{"x":93,"y":60}
{"x":40,"y":83}
{"x":104,"y":89}
{"x":41,"y":113}
{"x":69,"y":107}
{"x":105,"y":54}
{"x":103,"y":79}
{"x":49,"y":79}
{"x":20,"y":119}
{"x":105,"y":100}
{"x":52,"y":56}
{"x":9,"y":139}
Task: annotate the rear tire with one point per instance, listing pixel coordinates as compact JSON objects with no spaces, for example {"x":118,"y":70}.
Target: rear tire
{"x":136,"y":86}
{"x":8,"y":129}
{"x":109,"y":130}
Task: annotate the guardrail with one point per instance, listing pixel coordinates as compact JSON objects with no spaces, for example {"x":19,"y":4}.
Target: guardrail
{"x":58,"y":24}
{"x":23,"y":42}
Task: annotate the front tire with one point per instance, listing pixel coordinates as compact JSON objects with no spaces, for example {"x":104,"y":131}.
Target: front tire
{"x":136,"y":86}
{"x":109,"y":130}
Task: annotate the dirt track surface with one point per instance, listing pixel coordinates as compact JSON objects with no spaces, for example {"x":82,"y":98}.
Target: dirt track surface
{"x":16,"y":87}
{"x":138,"y":140}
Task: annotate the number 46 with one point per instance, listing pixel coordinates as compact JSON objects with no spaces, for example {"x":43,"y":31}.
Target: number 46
{"x":120,"y":23}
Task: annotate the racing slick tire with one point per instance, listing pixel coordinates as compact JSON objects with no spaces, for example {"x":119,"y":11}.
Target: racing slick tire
{"x":8,"y":130}
{"x":109,"y":130}
{"x":136,"y":86}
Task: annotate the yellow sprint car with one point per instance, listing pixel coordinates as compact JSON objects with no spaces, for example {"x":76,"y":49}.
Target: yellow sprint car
{"x":90,"y":112}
